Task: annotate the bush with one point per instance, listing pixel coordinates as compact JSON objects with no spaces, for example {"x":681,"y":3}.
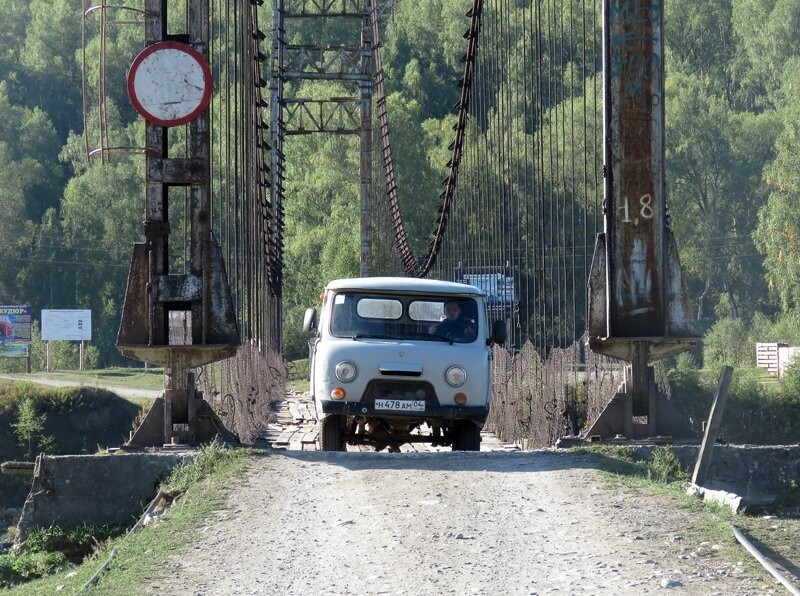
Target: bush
{"x":20,"y":568}
{"x":212,"y":458}
{"x":790,"y":383}
{"x":74,"y":543}
{"x":728,"y":342}
{"x":688,"y":390}
{"x":664,"y":466}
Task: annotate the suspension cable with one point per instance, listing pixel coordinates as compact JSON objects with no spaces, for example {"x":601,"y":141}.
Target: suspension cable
{"x":413,"y":267}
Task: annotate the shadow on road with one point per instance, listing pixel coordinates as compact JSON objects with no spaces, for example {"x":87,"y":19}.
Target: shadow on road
{"x":510,"y":462}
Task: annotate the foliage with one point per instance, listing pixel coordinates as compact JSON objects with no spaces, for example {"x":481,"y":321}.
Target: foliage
{"x":20,"y":568}
{"x":51,"y":550}
{"x":664,"y":466}
{"x":61,"y":421}
{"x":212,"y":460}
{"x":756,"y":412}
{"x":732,"y":108}
{"x":790,"y":383}
{"x":29,"y":426}
{"x":140,"y":557}
{"x":74,"y":543}
{"x":727,"y":342}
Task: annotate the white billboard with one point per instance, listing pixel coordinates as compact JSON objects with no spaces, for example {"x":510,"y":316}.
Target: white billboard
{"x":75,"y":325}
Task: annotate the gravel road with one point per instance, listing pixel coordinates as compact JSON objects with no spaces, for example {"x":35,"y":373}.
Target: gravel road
{"x":448,"y":523}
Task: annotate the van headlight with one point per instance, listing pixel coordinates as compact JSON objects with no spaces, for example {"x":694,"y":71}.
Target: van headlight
{"x":455,"y":376}
{"x":345,"y":371}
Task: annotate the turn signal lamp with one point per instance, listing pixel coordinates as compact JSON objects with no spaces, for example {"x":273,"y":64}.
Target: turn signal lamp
{"x":461,"y":399}
{"x":338,"y":393}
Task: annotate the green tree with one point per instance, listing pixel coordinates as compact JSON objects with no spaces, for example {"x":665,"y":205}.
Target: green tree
{"x":777,"y":235}
{"x":101,"y":215}
{"x":715,"y":158}
{"x":727,"y":343}
{"x":48,"y":56}
{"x":700,"y":42}
{"x":29,"y":426}
{"x":768,"y":36}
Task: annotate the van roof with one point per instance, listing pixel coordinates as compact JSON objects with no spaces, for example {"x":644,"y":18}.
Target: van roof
{"x":404,"y":285}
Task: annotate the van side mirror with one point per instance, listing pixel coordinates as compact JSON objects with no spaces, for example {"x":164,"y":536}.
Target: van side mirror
{"x":310,"y":320}
{"x":499,"y":332}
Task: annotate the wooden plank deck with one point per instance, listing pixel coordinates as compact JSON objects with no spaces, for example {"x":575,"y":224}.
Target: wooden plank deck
{"x":293,"y":426}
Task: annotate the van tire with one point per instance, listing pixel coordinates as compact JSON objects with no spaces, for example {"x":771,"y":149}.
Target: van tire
{"x":467,"y":436}
{"x":331,"y":436}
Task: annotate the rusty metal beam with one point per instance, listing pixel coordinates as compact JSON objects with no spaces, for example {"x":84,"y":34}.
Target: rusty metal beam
{"x":178,"y":320}
{"x":334,"y":116}
{"x":313,"y":9}
{"x":638,"y":307}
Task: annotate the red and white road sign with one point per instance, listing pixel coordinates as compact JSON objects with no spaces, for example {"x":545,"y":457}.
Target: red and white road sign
{"x":169,"y":83}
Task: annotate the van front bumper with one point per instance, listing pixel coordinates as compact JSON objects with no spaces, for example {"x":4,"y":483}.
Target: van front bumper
{"x":354,"y":408}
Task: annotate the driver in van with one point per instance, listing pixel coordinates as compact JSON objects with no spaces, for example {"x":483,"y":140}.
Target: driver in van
{"x":454,"y":325}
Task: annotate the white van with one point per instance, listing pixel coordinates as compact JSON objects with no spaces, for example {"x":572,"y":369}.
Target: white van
{"x":392,"y":356}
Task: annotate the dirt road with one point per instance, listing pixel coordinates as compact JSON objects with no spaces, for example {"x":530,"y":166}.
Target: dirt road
{"x":121,"y":391}
{"x":448,"y":523}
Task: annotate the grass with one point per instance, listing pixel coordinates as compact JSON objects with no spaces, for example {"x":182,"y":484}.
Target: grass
{"x":297,"y":375}
{"x":139,"y":558}
{"x":136,"y":378}
{"x":660,"y":477}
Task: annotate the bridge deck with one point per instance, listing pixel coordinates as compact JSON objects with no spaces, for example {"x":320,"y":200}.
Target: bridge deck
{"x":293,"y":426}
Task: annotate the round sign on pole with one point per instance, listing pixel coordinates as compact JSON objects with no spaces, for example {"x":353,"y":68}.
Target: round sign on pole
{"x":169,"y":83}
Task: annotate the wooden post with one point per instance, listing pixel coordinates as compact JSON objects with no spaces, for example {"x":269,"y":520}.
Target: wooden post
{"x":49,"y":358}
{"x":713,"y":426}
{"x":80,"y":356}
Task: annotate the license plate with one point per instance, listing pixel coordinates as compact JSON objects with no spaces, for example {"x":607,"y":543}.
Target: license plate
{"x":400,"y":405}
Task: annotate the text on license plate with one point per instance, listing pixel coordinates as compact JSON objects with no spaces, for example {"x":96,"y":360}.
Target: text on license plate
{"x":400,"y":405}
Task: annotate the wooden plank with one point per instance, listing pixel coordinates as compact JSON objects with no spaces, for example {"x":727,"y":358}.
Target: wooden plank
{"x":286,"y":436}
{"x":295,"y":411}
{"x":310,"y":436}
{"x":306,"y":410}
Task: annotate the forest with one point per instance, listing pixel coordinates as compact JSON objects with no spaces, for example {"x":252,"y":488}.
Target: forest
{"x":732,"y":155}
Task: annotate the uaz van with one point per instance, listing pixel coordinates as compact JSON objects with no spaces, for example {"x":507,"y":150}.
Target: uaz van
{"x":399,"y":360}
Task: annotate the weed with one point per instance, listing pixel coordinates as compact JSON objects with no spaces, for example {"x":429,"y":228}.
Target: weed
{"x":211,"y":460}
{"x":74,"y":543}
{"x":665,"y":467}
{"x":19,"y":568}
{"x":620,"y":452}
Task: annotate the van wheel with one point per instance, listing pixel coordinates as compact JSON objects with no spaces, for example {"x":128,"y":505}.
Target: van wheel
{"x":467,"y":436}
{"x":331,"y":437}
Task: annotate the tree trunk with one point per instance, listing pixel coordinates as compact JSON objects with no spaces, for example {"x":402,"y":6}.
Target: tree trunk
{"x":701,"y":301}
{"x":732,"y":301}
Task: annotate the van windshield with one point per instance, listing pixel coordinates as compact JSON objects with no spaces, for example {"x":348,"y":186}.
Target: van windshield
{"x":379,"y":316}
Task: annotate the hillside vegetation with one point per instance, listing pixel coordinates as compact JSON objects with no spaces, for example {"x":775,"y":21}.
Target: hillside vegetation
{"x":733,"y":163}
